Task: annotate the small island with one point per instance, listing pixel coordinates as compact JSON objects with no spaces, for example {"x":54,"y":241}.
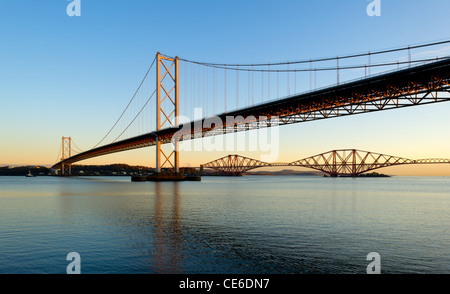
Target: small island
{"x":374,"y":175}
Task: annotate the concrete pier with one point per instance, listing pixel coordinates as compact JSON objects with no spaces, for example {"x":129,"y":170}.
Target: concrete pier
{"x":138,"y":178}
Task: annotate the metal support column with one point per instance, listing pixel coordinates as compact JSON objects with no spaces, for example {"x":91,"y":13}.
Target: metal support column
{"x":167,"y":109}
{"x":66,"y":169}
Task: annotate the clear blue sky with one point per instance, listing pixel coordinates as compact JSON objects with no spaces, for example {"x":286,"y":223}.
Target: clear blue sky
{"x":72,"y":76}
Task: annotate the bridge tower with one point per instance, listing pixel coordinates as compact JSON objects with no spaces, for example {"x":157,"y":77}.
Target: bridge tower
{"x":341,"y":164}
{"x":66,"y":169}
{"x":167,"y":110}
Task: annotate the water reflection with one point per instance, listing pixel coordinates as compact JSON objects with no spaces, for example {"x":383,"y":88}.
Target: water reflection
{"x":152,"y":209}
{"x":168,"y":234}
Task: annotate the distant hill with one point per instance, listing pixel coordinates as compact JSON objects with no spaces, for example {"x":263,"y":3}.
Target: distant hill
{"x":110,"y":170}
{"x":285,"y":172}
{"x":78,"y":170}
{"x":23,"y":170}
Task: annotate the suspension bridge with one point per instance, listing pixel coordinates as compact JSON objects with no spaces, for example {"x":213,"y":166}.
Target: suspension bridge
{"x":181,"y":99}
{"x":344,"y":162}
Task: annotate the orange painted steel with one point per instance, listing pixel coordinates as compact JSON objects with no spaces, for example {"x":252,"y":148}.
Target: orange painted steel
{"x":66,"y":168}
{"x":167,"y":108}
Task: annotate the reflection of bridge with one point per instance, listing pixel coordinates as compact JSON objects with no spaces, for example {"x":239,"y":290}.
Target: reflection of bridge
{"x":206,"y":85}
{"x":345,"y":162}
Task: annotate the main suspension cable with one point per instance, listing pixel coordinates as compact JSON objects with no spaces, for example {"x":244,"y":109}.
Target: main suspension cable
{"x":323,"y":59}
{"x":328,"y":68}
{"x":137,"y":115}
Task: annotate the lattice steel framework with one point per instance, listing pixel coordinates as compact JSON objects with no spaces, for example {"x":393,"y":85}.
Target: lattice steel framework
{"x":167,"y":110}
{"x":344,"y":162}
{"x":236,"y":165}
{"x":66,"y":168}
{"x":353,"y":162}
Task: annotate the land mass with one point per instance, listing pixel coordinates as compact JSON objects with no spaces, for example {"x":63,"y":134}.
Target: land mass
{"x":285,"y":172}
{"x":374,"y":175}
{"x":129,"y":170}
{"x":78,"y":170}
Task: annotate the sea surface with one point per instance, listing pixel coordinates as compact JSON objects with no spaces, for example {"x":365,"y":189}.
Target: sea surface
{"x":225,"y":225}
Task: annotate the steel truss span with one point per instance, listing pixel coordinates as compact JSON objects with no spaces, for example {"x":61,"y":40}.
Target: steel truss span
{"x":418,"y":85}
{"x":344,"y":162}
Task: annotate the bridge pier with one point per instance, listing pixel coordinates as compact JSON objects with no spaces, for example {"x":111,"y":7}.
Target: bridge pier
{"x":66,"y":170}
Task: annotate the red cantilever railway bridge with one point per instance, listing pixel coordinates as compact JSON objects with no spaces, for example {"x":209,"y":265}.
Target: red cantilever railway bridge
{"x":344,"y":162}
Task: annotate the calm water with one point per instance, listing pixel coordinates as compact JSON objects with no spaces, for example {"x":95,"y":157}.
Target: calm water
{"x":245,"y":225}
